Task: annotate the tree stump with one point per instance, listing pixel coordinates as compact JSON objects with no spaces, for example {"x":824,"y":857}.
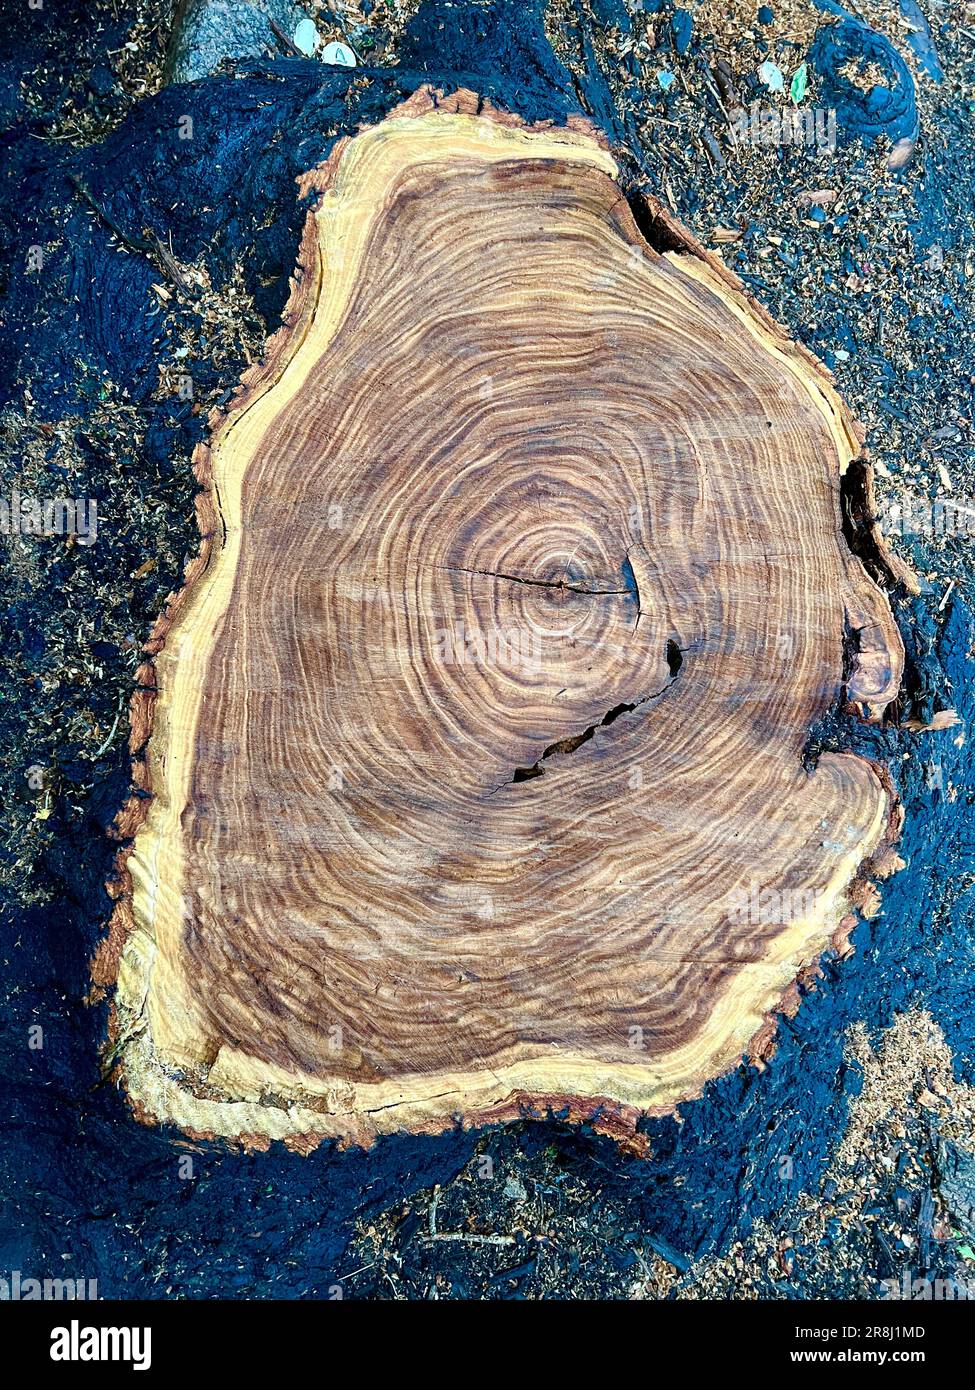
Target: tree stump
{"x":477,"y":732}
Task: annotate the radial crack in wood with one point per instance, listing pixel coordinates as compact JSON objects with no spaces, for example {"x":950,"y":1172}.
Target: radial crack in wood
{"x":477,"y":731}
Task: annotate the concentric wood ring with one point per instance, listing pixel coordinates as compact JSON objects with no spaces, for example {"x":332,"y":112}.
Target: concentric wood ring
{"x":476,"y":757}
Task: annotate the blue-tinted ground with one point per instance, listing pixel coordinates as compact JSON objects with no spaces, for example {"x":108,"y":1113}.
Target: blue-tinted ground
{"x":876,"y":284}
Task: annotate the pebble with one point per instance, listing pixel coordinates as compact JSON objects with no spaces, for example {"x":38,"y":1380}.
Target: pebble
{"x":901,"y":154}
{"x":771,"y":76}
{"x":305,"y":37}
{"x":340,"y":55}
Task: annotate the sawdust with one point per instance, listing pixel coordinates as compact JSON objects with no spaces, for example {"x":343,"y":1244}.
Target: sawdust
{"x":137,"y":72}
{"x":795,"y":22}
{"x":862,"y":1227}
{"x":908,"y":1073}
{"x":220,"y":321}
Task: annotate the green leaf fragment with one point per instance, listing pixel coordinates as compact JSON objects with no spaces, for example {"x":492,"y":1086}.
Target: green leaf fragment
{"x":800,"y":81}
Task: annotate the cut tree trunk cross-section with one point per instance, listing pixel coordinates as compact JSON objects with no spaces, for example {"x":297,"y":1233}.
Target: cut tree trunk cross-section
{"x":477,"y":732}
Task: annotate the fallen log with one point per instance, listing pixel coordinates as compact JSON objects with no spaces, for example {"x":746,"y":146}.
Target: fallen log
{"x":475,"y":738}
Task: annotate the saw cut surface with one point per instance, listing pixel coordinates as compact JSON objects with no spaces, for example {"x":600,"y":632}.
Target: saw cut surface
{"x":476,"y":750}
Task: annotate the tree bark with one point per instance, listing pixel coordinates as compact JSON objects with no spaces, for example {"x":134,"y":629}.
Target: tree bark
{"x":476,"y":735}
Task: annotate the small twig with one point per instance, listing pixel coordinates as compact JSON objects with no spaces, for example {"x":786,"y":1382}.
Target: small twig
{"x":148,"y":244}
{"x":472,"y":1240}
{"x":133,"y":243}
{"x":169,"y":265}
{"x":105,"y":745}
{"x":292,"y":49}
